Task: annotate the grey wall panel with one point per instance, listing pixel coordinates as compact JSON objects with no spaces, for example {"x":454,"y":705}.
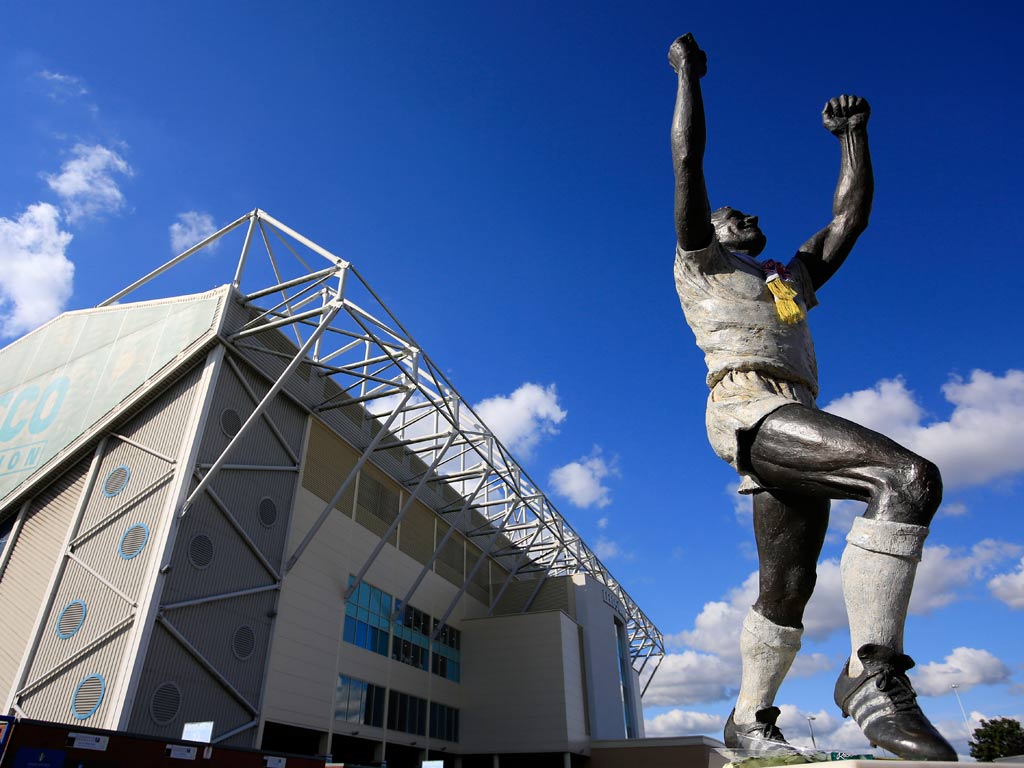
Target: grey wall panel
{"x":212,"y":556}
{"x":201,"y":697}
{"x":101,"y":610}
{"x":231,"y":403}
{"x":53,"y":701}
{"x":160,"y":426}
{"x":290,"y":420}
{"x":233,"y":635}
{"x":259,"y":502}
{"x":113,"y":552}
{"x":209,"y":558}
{"x":33,"y":557}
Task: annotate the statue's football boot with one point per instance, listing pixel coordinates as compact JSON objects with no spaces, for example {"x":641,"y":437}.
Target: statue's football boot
{"x":882,"y":701}
{"x":758,"y":738}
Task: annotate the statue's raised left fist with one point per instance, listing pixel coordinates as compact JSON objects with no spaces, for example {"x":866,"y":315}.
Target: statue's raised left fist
{"x":685,"y":52}
{"x":845,"y":112}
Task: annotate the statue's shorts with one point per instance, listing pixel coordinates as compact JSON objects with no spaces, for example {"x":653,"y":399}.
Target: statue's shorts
{"x":738,"y":404}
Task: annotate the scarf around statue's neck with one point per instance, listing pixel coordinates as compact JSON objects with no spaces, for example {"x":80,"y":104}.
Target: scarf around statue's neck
{"x":780,"y":282}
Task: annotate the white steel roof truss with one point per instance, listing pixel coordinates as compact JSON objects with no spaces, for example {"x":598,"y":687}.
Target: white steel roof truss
{"x":380,"y":359}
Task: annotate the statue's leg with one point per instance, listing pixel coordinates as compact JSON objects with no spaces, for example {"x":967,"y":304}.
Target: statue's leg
{"x":789,"y":531}
{"x":808,"y":452}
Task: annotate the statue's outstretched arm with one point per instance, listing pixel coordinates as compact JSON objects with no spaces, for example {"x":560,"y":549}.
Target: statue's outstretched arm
{"x":846,"y":117}
{"x":689,"y":135}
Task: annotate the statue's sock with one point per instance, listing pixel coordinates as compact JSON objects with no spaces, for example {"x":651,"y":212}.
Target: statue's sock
{"x":878,"y":568}
{"x":768,"y":650}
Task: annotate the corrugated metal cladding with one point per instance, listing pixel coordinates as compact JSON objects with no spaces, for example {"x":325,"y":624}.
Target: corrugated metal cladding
{"x":451,"y":560}
{"x":416,"y":533}
{"x":113,"y":549}
{"x":169,"y":662}
{"x":231,"y":540}
{"x":554,"y":595}
{"x":33,"y":557}
{"x":376,"y":502}
{"x":329,"y":460}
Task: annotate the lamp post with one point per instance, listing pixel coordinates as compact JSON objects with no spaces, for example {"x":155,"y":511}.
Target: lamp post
{"x":811,"y":729}
{"x":956,"y":693}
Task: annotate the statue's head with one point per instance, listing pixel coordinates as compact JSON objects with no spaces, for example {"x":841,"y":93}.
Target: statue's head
{"x":737,"y":231}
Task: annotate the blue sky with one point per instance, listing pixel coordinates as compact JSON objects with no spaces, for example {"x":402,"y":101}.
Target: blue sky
{"x":502,"y":178}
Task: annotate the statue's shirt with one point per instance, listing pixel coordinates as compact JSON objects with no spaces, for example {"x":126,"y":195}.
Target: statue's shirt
{"x":732,"y":315}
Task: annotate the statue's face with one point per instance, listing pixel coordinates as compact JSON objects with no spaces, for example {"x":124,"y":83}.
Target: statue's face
{"x":738,"y":232}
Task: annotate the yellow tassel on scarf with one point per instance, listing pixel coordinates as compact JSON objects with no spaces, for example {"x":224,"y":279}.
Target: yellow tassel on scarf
{"x":789,"y":311}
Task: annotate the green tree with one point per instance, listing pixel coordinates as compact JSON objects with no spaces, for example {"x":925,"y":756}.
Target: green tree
{"x":999,"y":737}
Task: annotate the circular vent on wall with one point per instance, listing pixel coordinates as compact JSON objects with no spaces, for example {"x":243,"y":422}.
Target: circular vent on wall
{"x":244,"y":642}
{"x":230,"y":422}
{"x":200,"y":550}
{"x":268,"y":512}
{"x":70,"y":619}
{"x":116,"y":480}
{"x":166,"y":702}
{"x":87,"y":697}
{"x":133,"y":540}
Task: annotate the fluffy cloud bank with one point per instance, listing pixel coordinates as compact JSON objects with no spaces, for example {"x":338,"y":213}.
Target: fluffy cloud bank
{"x":522,"y":418}
{"x":967,"y":667}
{"x":690,"y":677}
{"x":86,"y":184}
{"x":190,"y":228}
{"x":35,"y":274}
{"x":581,"y":481}
{"x":1009,"y":587}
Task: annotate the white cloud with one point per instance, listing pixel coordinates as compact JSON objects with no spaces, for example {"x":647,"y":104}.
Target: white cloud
{"x":826,"y":611}
{"x":717,"y":627}
{"x":581,"y":483}
{"x":953,"y":509}
{"x":981,"y":440}
{"x":63,"y":87}
{"x":521,"y":419}
{"x":831,"y":731}
{"x":190,"y":228}
{"x":86,"y":183}
{"x":941,"y":577}
{"x":957,"y":733}
{"x":606,"y":549}
{"x":811,"y":664}
{"x":1009,"y":587}
{"x":690,"y":678}
{"x":678,"y":722}
{"x":943,"y":572}
{"x":602,"y":523}
{"x":966,"y":667}
{"x":35,"y":275}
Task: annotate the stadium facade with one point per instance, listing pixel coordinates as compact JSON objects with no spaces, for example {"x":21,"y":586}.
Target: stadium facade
{"x":264,"y":508}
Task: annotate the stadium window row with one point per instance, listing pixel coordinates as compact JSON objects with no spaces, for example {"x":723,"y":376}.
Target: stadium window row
{"x":367,"y":623}
{"x":357,"y":701}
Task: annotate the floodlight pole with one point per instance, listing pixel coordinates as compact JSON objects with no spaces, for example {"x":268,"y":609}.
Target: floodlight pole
{"x":810,"y":719}
{"x":967,"y":725}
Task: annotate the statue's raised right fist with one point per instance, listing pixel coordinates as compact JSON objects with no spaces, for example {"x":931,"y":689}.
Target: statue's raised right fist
{"x":685,"y":52}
